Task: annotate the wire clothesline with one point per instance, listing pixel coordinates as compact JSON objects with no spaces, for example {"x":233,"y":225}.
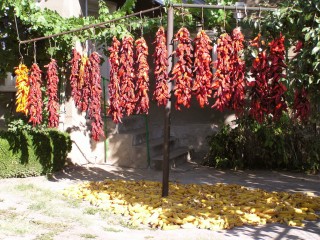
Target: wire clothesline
{"x":90,"y":26}
{"x":224,"y":7}
{"x":203,"y":6}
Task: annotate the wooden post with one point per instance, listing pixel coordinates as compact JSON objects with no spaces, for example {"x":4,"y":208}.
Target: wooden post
{"x":166,"y":148}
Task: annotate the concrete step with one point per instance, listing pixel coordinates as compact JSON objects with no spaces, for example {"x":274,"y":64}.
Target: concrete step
{"x":156,"y":145}
{"x":177,"y":156}
{"x":160,"y":141}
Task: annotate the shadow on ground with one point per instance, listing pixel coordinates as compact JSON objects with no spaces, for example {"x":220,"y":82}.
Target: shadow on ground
{"x":193,"y":173}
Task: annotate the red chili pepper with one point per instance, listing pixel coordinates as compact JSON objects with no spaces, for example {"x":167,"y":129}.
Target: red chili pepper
{"x":74,"y":77}
{"x":268,"y":92}
{"x":52,"y":93}
{"x":161,"y":92}
{"x":182,"y":70}
{"x":202,"y":64}
{"x":127,"y":75}
{"x":85,"y":85}
{"x":298,"y":47}
{"x":301,"y":105}
{"x":276,"y":58}
{"x":94,"y":109}
{"x":115,"y":108}
{"x":237,"y":75}
{"x":222,"y":80}
{"x":142,"y":82}
{"x":259,"y":90}
{"x":35,"y":103}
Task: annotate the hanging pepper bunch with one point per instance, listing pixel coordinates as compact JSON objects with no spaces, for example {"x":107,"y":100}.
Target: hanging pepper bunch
{"x":202,"y":63}
{"x":142,"y":82}
{"x":94,"y":108}
{"x":301,"y":104}
{"x":259,"y":87}
{"x":267,"y":90}
{"x":222,"y":81}
{"x":182,"y":70}
{"x":298,"y":47}
{"x":237,"y":76}
{"x":126,"y":75}
{"x":115,"y":108}
{"x":161,"y":93}
{"x":85,"y":83}
{"x":74,"y":77}
{"x":277,"y":66}
{"x":35,"y":103}
{"x":52,"y":93}
{"x":23,"y":87}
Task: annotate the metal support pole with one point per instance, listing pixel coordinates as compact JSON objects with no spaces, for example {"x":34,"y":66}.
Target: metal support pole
{"x":166,"y":155}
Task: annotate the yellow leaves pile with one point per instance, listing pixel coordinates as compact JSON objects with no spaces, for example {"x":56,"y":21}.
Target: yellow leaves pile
{"x":217,"y":206}
{"x":23,"y":87}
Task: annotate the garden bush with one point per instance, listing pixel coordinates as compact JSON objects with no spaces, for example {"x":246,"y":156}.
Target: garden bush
{"x":272,"y":145}
{"x":26,"y":153}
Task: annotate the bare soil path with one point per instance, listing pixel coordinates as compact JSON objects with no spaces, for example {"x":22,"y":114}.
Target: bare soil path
{"x":34,"y":208}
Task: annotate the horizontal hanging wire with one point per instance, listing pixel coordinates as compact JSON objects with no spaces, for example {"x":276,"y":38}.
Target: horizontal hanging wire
{"x":232,"y":7}
{"x":91,"y":26}
{"x":204,"y":6}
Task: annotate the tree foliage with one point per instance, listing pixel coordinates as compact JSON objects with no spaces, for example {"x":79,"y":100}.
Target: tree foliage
{"x":35,"y":22}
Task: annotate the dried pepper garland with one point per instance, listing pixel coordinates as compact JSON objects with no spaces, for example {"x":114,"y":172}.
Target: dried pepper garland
{"x":35,"y":103}
{"x":94,"y":109}
{"x":276,"y":58}
{"x":259,"y":87}
{"x":85,"y":84}
{"x":142,"y":82}
{"x":115,"y":108}
{"x":301,"y":104}
{"x":161,"y":92}
{"x":52,"y":92}
{"x":237,"y":76}
{"x":182,"y":70}
{"x":126,"y":75}
{"x":267,"y":90}
{"x":202,"y":63}
{"x":222,"y":82}
{"x":23,"y":88}
{"x":74,"y":77}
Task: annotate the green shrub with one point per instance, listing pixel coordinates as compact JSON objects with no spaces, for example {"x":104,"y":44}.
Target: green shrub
{"x":273,"y":145}
{"x":26,"y":153}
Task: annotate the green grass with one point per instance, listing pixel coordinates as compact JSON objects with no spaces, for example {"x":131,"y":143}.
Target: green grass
{"x":8,"y":214}
{"x":15,"y":226}
{"x":112,"y":229}
{"x":37,"y":206}
{"x":54,"y":226}
{"x":24,"y":187}
{"x":88,"y":236}
{"x":92,"y":210}
{"x":72,"y":202}
{"x":46,"y":236}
